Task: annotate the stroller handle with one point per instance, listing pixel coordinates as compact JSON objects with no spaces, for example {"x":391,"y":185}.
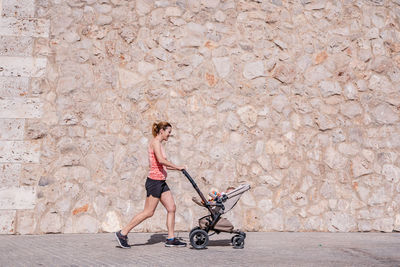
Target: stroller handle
{"x":190,"y":178}
{"x":196,"y":188}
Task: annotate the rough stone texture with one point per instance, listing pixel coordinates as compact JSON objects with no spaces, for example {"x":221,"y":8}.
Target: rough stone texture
{"x":299,"y":99}
{"x":16,"y":46}
{"x":14,"y":86}
{"x":9,"y":174}
{"x":12,"y":129}
{"x":20,"y":151}
{"x":7,"y":221}
{"x":25,"y":67}
{"x":11,"y":26}
{"x":18,"y":8}
{"x":21,"y":108}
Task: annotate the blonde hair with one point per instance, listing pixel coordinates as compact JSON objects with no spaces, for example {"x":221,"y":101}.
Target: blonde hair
{"x":158,"y":126}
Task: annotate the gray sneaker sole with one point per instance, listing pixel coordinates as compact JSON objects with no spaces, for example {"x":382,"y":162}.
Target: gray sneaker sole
{"x":168,"y":245}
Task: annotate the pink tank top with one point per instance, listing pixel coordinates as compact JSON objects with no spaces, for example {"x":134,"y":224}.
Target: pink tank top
{"x":156,"y":170}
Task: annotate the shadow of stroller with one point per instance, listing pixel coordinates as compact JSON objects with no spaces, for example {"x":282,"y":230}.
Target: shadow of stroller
{"x":220,"y":243}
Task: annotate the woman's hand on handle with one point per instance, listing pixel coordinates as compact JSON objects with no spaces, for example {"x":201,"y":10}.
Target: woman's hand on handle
{"x":180,"y":168}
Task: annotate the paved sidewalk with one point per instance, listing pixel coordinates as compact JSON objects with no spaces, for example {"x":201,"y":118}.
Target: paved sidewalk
{"x":261,"y":249}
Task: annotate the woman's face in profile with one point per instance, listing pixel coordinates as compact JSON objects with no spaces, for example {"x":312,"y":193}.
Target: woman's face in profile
{"x":166,"y":133}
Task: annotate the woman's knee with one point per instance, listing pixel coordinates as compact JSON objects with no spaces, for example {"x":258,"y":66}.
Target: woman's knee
{"x":171,"y":208}
{"x":148,"y":213}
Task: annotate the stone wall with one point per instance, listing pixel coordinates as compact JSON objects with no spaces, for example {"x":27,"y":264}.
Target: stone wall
{"x":22,"y":68}
{"x":299,"y":99}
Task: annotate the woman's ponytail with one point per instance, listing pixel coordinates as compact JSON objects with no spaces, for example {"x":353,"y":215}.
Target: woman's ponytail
{"x":158,"y":126}
{"x":155,"y":130}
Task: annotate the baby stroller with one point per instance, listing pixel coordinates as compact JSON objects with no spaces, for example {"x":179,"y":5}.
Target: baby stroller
{"x":199,"y":236}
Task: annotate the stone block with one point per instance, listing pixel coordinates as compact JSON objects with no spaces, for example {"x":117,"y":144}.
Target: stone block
{"x":383,"y":224}
{"x":222,"y":65}
{"x":273,"y":221}
{"x":51,"y":223}
{"x":26,"y":222}
{"x":22,"y":66}
{"x":385,"y":114}
{"x":339,"y":222}
{"x":18,"y":8}
{"x":128,"y":79}
{"x":16,"y":46}
{"x":20,"y":151}
{"x":360,"y":167}
{"x":112,"y":222}
{"x":364,"y":226}
{"x":7,"y":221}
{"x":253,"y":70}
{"x":12,"y":26}
{"x":14,"y":86}
{"x":86,"y":224}
{"x":248,"y":115}
{"x":9,"y":174}
{"x":279,"y":102}
{"x":349,"y":148}
{"x":313,"y":223}
{"x":397,"y":223}
{"x":351,"y":109}
{"x":285,"y":73}
{"x":391,"y":172}
{"x":14,"y":198}
{"x":316,"y":74}
{"x":12,"y":129}
{"x":275,"y":147}
{"x":20,"y":108}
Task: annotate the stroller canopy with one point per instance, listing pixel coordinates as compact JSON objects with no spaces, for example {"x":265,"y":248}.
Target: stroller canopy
{"x":234,"y":196}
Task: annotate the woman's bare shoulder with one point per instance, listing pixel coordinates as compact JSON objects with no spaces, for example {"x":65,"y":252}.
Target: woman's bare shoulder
{"x":154,"y":142}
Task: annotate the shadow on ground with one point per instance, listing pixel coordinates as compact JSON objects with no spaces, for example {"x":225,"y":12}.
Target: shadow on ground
{"x":219,"y":243}
{"x":154,"y":239}
{"x":160,"y":238}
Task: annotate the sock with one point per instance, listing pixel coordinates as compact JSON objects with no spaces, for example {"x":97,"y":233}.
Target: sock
{"x":170,"y":239}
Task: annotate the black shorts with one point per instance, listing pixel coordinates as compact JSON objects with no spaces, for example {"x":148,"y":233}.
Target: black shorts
{"x":156,"y":187}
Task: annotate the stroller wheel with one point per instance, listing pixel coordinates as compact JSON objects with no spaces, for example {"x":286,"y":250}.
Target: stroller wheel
{"x":198,"y":238}
{"x":238,"y":241}
{"x":195,"y":228}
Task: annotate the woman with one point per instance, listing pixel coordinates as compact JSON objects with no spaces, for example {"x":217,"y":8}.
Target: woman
{"x":156,"y":187}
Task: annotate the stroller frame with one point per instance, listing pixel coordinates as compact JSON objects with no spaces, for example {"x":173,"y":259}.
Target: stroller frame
{"x":199,"y":237}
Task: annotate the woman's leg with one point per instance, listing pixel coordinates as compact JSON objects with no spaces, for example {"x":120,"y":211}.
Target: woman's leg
{"x":148,"y":211}
{"x":168,"y":201}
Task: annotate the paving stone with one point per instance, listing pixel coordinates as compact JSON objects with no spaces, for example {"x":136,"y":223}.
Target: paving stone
{"x":261,"y":249}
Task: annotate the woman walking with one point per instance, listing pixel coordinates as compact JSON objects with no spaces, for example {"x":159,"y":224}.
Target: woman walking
{"x":156,"y":188}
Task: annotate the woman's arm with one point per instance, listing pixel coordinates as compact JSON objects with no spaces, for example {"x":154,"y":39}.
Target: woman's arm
{"x":162,"y":160}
